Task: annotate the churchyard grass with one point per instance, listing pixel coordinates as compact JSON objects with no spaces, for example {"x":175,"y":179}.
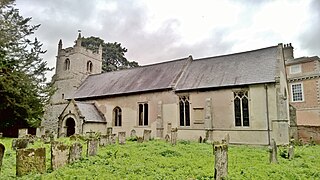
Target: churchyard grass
{"x":187,"y":160}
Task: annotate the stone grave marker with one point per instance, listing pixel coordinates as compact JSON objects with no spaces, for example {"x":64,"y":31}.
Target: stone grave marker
{"x":40,"y":131}
{"x":30,"y":161}
{"x":112,"y":139}
{"x":167,"y":138}
{"x":174,"y":136}
{"x":104,"y":140}
{"x":1,"y":134}
{"x":140,"y":139}
{"x":59,"y":155}
{"x":122,"y":137}
{"x":109,"y":130}
{"x":221,"y":161}
{"x":75,"y":152}
{"x":92,"y":147}
{"x":273,"y":152}
{"x":22,"y":132}
{"x":291,"y":152}
{"x":133,"y":133}
{"x":20,"y":143}
{"x":146,"y":135}
{"x":200,"y":139}
{"x":2,"y":149}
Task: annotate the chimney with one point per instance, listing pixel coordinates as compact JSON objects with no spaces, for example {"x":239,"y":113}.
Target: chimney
{"x":288,"y":51}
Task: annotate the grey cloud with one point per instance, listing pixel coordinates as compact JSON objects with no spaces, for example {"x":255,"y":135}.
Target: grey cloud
{"x":310,"y":38}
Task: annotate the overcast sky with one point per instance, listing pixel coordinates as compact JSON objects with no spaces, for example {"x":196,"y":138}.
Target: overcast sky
{"x":162,"y":30}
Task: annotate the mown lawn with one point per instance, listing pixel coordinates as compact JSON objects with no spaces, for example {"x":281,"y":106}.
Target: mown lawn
{"x":187,"y":160}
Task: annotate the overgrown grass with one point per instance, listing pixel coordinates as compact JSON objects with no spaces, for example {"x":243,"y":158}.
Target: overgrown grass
{"x":187,"y":160}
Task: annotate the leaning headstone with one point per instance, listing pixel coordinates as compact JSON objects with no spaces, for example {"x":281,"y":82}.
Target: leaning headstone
{"x":174,"y":135}
{"x":30,"y":161}
{"x":140,"y":139}
{"x":273,"y":152}
{"x":103,"y":140}
{"x":133,"y":133}
{"x":22,"y":132}
{"x":2,"y":149}
{"x":20,"y":143}
{"x":75,"y":152}
{"x":59,"y":155}
{"x":221,"y":161}
{"x":167,"y":138}
{"x":146,"y":135}
{"x":122,"y":137}
{"x":92,"y":148}
{"x":291,"y":152}
{"x":200,"y":139}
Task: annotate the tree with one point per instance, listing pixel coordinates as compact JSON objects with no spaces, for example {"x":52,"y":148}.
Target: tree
{"x":113,"y":57}
{"x":23,"y":88}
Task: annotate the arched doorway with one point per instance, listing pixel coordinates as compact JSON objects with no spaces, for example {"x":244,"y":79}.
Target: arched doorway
{"x":70,"y":127}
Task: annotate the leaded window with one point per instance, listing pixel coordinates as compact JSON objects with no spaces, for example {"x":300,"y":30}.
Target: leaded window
{"x":143,"y":114}
{"x":297,"y":92}
{"x":67,"y":64}
{"x":117,"y":116}
{"x":184,"y":109}
{"x":241,"y":108}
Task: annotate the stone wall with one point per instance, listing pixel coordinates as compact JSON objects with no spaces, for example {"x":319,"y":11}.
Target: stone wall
{"x":305,"y":132}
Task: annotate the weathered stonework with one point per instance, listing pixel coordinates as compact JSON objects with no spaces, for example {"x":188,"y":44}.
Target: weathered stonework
{"x":30,"y":161}
{"x":75,"y":152}
{"x":174,"y":136}
{"x":133,"y":133}
{"x":104,"y":140}
{"x":59,"y":155}
{"x":146,"y":135}
{"x":122,"y":137}
{"x":93,"y":145}
{"x":159,"y":120}
{"x":20,"y":143}
{"x":22,"y":132}
{"x":221,"y":161}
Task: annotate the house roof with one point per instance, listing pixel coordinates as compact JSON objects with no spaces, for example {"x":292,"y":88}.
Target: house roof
{"x":90,"y":112}
{"x":252,"y":67}
{"x":145,"y":78}
{"x":302,"y":60}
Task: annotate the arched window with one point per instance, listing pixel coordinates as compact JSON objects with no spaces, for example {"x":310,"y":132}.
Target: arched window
{"x":89,"y":66}
{"x":241,"y":108}
{"x":117,"y":116}
{"x":67,"y":64}
{"x":184,"y":109}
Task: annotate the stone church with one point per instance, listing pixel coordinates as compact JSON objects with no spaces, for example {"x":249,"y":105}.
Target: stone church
{"x":242,"y":94}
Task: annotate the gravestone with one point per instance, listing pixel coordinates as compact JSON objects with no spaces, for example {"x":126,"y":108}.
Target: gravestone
{"x":30,"y":161}
{"x":291,"y":150}
{"x":59,"y":155}
{"x":2,"y":149}
{"x":174,"y":136}
{"x":75,"y":152}
{"x":112,"y":139}
{"x":140,"y":139}
{"x":109,"y":130}
{"x":22,"y":132}
{"x":200,"y":139}
{"x":20,"y":143}
{"x":104,"y":140}
{"x":221,"y":161}
{"x":273,"y":152}
{"x":167,"y":138}
{"x":93,"y":145}
{"x":1,"y":134}
{"x":146,"y":135}
{"x":40,"y":131}
{"x":122,"y":137}
{"x":133,"y":133}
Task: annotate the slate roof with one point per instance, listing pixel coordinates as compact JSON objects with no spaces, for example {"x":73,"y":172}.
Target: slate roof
{"x":252,"y":67}
{"x":145,"y":78}
{"x":90,"y":112}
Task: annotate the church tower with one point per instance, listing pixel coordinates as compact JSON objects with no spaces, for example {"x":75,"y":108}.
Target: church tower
{"x":73,"y":65}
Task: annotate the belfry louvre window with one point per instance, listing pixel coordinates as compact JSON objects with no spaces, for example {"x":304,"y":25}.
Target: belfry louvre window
{"x":297,"y":92}
{"x":184,"y":109}
{"x":143,"y":114}
{"x":241,"y":108}
{"x":89,"y":66}
{"x":117,"y":115}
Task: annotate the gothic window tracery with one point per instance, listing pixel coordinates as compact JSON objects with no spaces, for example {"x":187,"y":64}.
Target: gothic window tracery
{"x":241,"y":108}
{"x":117,"y":116}
{"x":184,"y":110}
